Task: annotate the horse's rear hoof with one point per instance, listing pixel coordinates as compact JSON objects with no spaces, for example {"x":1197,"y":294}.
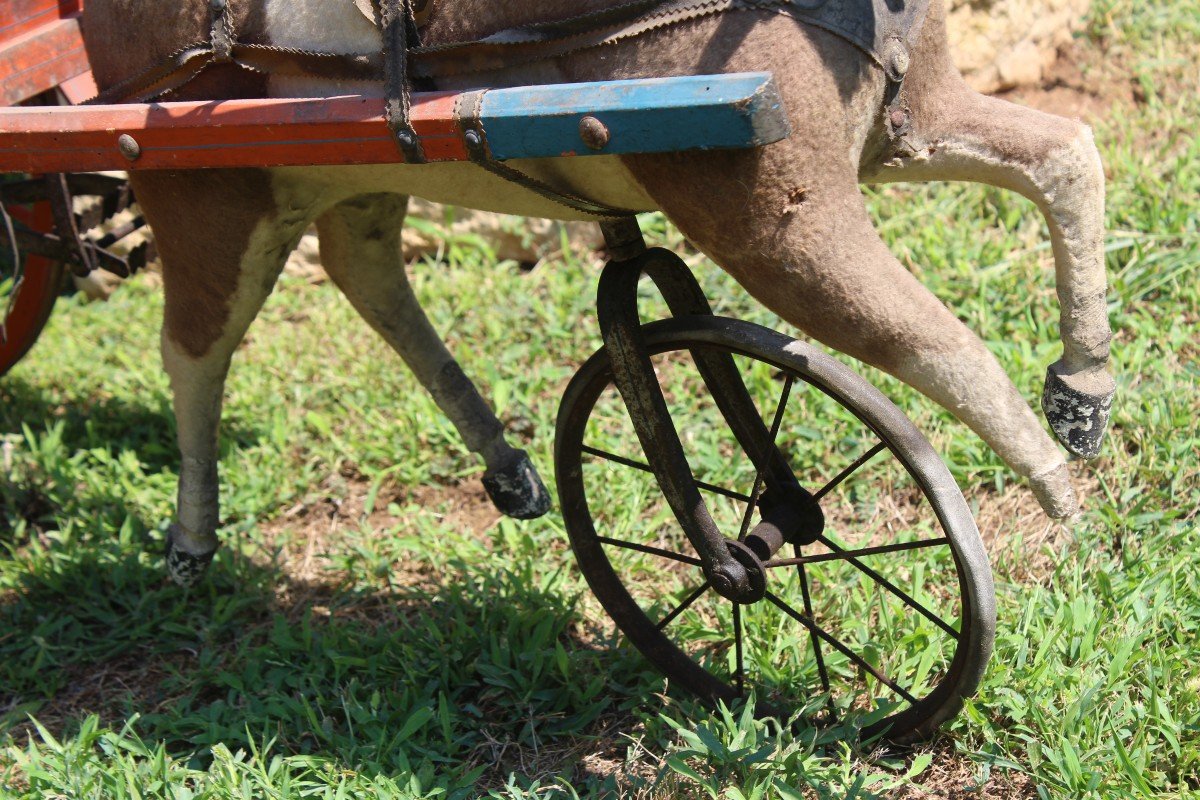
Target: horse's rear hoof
{"x":185,"y":568}
{"x":516,"y":489}
{"x":1078,"y":408}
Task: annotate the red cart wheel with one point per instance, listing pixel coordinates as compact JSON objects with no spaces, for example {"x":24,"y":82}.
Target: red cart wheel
{"x":28,"y":291}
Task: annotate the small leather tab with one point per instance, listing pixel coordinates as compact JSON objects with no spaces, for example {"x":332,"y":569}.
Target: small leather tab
{"x":421,"y":10}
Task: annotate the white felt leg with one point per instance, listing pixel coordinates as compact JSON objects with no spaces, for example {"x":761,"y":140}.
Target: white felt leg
{"x":217,"y":273}
{"x":958,"y":134}
{"x":360,"y":248}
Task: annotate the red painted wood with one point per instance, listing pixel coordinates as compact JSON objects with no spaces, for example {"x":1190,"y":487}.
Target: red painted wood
{"x":231,"y":133}
{"x":41,"y":59}
{"x":18,"y":17}
{"x":80,"y":88}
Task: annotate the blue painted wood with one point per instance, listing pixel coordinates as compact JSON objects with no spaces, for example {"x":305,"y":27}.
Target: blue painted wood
{"x":642,"y":116}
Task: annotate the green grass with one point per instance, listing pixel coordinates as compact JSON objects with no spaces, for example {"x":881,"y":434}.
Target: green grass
{"x":422,"y":649}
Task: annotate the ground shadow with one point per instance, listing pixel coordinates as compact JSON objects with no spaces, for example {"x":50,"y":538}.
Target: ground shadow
{"x":108,"y":423}
{"x":475,"y":668}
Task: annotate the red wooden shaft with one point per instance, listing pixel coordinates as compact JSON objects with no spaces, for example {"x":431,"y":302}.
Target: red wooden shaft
{"x":231,"y":133}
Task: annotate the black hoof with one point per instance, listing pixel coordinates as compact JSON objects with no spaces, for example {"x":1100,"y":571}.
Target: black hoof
{"x":516,"y":489}
{"x":1079,"y":418}
{"x":185,"y":568}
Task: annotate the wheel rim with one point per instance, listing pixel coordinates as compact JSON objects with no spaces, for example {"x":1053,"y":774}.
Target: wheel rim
{"x":26,"y":303}
{"x":823,"y":629}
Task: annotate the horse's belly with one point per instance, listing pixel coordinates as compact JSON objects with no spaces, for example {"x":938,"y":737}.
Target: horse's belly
{"x":603,"y":179}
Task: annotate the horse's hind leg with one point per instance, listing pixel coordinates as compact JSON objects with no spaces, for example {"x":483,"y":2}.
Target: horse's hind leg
{"x":954,"y":133}
{"x":800,"y":240}
{"x":360,"y":248}
{"x":223,"y":243}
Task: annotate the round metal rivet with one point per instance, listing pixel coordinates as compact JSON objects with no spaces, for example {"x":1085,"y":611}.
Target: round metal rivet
{"x":129,"y":147}
{"x":594,"y":133}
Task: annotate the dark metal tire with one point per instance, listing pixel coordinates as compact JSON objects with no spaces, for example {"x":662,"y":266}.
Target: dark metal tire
{"x":976,"y":591}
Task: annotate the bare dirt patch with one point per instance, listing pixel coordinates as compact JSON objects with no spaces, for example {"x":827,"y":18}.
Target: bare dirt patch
{"x":952,"y":777}
{"x":1083,"y":83}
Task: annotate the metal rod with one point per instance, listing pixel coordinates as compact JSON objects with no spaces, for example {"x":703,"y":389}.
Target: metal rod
{"x":816,"y":640}
{"x":628,"y":462}
{"x":848,"y":554}
{"x":884,"y":582}
{"x":652,"y":551}
{"x":684,"y":606}
{"x":740,"y":675}
{"x":780,"y":407}
{"x":842,"y":648}
{"x":848,"y":471}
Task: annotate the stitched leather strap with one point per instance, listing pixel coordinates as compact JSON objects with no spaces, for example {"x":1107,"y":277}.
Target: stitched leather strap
{"x":399,"y":35}
{"x":467,"y":111}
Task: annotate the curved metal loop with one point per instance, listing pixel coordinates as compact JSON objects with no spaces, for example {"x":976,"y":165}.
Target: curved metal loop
{"x":620,"y":326}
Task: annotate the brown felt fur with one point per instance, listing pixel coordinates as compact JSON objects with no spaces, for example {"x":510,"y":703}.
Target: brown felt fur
{"x":787,"y":220}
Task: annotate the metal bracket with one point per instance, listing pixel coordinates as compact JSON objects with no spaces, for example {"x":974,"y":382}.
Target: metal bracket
{"x":727,"y":567}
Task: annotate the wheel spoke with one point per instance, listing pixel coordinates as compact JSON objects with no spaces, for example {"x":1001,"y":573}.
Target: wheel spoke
{"x":650,"y":550}
{"x":891,"y":587}
{"x":846,"y":555}
{"x":629,"y":462}
{"x":776,"y":422}
{"x":816,"y":640}
{"x":684,"y":606}
{"x":848,"y":471}
{"x":841,"y":648}
{"x":740,"y":675}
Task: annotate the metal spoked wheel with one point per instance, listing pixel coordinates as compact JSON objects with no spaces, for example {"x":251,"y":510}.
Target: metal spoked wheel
{"x":886,"y":618}
{"x":29,"y":287}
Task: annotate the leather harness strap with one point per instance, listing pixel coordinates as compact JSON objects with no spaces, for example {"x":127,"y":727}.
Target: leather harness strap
{"x":467,"y":110}
{"x":884,"y":32}
{"x":399,"y":38}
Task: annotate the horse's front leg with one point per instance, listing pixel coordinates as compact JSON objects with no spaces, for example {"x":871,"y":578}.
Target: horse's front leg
{"x":953,"y":133}
{"x":360,"y":248}
{"x":223,"y":242}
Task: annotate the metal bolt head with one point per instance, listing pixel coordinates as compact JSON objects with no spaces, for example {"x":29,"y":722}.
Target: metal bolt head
{"x":473,"y":139}
{"x":595,"y":134}
{"x":129,"y":147}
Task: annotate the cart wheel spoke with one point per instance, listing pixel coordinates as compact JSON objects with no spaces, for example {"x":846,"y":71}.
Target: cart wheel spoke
{"x":651,"y":550}
{"x":908,"y":599}
{"x":841,"y":648}
{"x":776,"y":421}
{"x":638,"y":465}
{"x":848,"y":471}
{"x":816,"y":640}
{"x":847,"y":555}
{"x":739,"y":676}
{"x":682,"y":607}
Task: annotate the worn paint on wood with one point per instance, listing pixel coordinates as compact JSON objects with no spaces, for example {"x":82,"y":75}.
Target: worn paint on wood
{"x":643,"y":116}
{"x":41,"y":57}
